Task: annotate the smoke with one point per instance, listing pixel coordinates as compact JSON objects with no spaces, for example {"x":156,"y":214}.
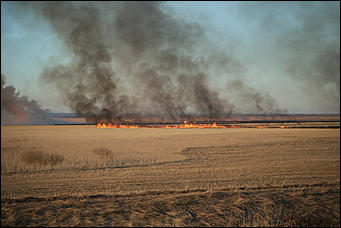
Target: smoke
{"x":252,"y":101}
{"x":135,"y":58}
{"x":303,"y":40}
{"x":18,"y":109}
{"x":315,"y":52}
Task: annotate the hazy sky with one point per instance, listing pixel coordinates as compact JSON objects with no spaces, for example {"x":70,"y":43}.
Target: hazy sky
{"x":288,"y":50}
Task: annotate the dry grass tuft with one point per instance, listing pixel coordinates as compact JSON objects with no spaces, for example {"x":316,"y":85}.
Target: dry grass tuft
{"x":103,"y":153}
{"x":37,"y":157}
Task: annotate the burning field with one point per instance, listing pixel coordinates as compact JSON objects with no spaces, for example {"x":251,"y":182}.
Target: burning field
{"x":169,"y":176}
{"x":171,"y":122}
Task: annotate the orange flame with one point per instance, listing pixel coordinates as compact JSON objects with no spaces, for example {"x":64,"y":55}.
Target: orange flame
{"x":185,"y":125}
{"x":109,"y":125}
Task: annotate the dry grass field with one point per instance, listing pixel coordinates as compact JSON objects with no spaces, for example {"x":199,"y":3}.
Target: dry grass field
{"x":85,"y":176}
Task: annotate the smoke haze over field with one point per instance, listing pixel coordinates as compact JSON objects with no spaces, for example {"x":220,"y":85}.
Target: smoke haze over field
{"x":18,"y":109}
{"x":141,"y":58}
{"x":308,"y":43}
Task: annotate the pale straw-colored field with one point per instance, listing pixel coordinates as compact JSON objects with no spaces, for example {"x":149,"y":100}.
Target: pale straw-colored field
{"x":84,"y":176}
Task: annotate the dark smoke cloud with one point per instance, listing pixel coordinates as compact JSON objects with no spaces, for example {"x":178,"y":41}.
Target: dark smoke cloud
{"x":133,"y":57}
{"x":18,"y":109}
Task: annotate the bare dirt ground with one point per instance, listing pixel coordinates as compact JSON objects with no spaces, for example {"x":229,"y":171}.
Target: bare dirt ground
{"x":84,"y":176}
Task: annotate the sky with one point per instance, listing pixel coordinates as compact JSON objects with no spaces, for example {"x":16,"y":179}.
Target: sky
{"x":289,"y":51}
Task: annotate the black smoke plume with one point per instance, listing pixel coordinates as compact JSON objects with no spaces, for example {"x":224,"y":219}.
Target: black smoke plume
{"x":18,"y":109}
{"x":134,"y":58}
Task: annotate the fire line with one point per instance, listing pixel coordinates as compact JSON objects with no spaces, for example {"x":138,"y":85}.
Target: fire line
{"x":185,"y":125}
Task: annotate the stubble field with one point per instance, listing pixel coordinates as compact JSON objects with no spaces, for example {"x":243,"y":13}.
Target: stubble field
{"x":84,"y":176}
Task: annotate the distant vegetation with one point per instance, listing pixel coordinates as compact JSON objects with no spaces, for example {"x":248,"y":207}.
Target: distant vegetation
{"x":36,"y":157}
